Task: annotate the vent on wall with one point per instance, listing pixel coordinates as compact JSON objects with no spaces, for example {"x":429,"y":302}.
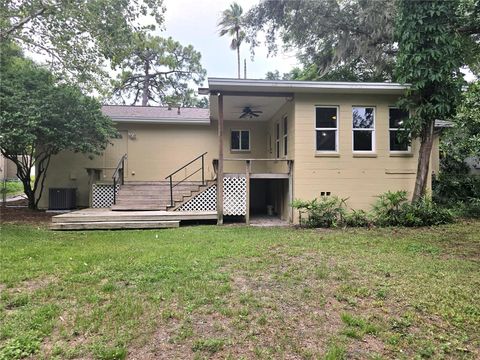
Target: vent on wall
{"x":62,"y":198}
{"x":325,"y":193}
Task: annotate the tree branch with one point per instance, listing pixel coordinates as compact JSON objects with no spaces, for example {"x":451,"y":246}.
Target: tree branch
{"x":22,"y":22}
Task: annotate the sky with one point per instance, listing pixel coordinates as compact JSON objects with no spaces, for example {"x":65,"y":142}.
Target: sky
{"x":195,"y":22}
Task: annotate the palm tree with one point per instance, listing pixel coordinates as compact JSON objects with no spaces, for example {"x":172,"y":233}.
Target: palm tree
{"x":231,"y":23}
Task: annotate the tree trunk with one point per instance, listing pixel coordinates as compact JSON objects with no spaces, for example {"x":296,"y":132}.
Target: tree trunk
{"x":146,"y":85}
{"x":238,"y":55}
{"x":423,"y":161}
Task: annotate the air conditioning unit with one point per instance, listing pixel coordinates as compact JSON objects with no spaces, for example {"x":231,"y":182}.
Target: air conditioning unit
{"x":62,"y":198}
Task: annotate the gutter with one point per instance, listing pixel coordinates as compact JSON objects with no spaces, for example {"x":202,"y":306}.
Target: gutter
{"x":143,"y":120}
{"x":266,"y":85}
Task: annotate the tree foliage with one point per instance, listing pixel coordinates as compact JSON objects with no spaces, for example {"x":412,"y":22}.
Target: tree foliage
{"x":77,"y":38}
{"x":41,"y":117}
{"x":159,"y":70}
{"x":348,"y":40}
{"x":463,"y":139}
{"x":232,"y":23}
{"x":429,"y":58}
{"x":329,"y":35}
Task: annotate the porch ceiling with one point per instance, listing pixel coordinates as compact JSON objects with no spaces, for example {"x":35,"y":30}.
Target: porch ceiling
{"x":233,"y":106}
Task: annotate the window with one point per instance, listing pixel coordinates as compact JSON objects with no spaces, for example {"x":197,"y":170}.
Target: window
{"x":397,"y":142}
{"x":277,"y":140}
{"x":326,"y":128}
{"x":240,"y":140}
{"x":363,"y":129}
{"x":285,"y":136}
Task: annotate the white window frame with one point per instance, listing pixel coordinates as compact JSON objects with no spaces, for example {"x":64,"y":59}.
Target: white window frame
{"x":373,"y":130}
{"x":285,"y":135}
{"x":277,"y":140}
{"x":409,"y":148}
{"x":336,"y":129}
{"x":240,"y":140}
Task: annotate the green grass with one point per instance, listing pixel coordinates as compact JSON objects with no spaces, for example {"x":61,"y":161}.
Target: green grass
{"x":11,"y":188}
{"x":235,"y":291}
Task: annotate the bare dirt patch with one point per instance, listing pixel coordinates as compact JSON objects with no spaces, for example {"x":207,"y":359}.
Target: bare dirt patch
{"x":30,"y":286}
{"x":18,"y":213}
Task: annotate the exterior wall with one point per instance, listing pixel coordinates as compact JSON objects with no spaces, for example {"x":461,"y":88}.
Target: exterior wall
{"x":153,"y":153}
{"x":360,"y":178}
{"x":8,"y":169}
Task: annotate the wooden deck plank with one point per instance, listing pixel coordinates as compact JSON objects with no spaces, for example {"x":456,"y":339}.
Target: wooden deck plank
{"x":99,"y":215}
{"x":113,"y":225}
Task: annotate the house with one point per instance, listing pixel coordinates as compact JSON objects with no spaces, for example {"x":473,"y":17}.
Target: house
{"x":270,"y":142}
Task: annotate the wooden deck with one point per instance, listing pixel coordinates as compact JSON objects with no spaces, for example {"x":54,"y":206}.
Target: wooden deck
{"x":107,"y":219}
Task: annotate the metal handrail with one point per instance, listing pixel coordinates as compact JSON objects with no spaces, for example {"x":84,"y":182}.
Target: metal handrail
{"x":170,"y":177}
{"x":119,"y":171}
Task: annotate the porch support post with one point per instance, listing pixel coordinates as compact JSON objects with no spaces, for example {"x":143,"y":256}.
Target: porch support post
{"x":290,"y":190}
{"x":247,"y":191}
{"x":220,"y":161}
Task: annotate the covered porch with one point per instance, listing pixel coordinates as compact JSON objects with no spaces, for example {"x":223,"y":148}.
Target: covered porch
{"x":255,"y":144}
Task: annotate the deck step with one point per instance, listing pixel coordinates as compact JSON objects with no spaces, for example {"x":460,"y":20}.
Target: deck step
{"x":111,"y":225}
{"x":106,"y":215}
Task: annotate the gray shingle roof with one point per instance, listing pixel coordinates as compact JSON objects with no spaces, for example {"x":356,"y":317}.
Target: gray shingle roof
{"x":125,"y":112}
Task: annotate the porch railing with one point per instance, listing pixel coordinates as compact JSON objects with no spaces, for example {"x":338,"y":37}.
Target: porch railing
{"x":201,"y":169}
{"x":118,"y":176}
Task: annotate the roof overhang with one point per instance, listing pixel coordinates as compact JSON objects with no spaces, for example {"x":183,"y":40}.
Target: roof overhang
{"x":139,"y":120}
{"x":283,"y":87}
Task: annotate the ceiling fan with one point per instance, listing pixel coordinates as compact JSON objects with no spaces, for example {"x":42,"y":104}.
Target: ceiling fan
{"x":248,"y":112}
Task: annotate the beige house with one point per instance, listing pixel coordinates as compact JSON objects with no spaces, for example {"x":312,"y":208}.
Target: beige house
{"x":270,"y":142}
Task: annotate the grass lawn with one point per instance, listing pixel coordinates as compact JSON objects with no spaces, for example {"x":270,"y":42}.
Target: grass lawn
{"x":11,"y":188}
{"x":235,"y":291}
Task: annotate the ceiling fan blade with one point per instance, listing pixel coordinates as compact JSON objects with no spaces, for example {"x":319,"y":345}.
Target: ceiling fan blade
{"x":243,"y":115}
{"x":253,"y":114}
{"x":257,"y":112}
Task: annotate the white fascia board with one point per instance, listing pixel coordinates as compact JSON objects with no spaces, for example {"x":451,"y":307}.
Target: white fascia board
{"x":284,"y":85}
{"x":185,"y":121}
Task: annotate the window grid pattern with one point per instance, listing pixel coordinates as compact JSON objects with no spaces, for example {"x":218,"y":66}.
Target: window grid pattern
{"x":363,"y":129}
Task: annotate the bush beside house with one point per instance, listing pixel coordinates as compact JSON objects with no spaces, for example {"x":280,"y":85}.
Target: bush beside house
{"x":390,"y":209}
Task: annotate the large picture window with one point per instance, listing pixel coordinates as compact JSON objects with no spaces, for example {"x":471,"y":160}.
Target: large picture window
{"x":240,"y":140}
{"x":326,"y":128}
{"x":363,"y":129}
{"x":396,"y":119}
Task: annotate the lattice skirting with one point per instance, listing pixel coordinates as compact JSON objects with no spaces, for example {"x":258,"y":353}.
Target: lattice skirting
{"x":102,"y":195}
{"x":234,"y":198}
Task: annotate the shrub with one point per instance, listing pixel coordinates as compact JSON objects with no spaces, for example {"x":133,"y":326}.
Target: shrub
{"x":393,"y":209}
{"x":388,"y":208}
{"x":425,"y":212}
{"x":469,"y":208}
{"x":455,"y":188}
{"x":358,"y":218}
{"x":327,"y":211}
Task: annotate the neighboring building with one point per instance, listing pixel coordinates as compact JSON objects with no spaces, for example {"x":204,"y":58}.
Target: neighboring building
{"x":281,"y":140}
{"x":8,"y":169}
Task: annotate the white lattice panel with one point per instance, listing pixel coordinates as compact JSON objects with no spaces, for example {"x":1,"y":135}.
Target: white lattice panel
{"x":234,"y":198}
{"x":234,"y":195}
{"x":205,"y":201}
{"x":102,"y":195}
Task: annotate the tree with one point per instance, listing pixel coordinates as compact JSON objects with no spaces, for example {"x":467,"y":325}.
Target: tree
{"x":329,"y":34}
{"x":463,"y":139}
{"x":231,"y":23}
{"x":158,"y":70}
{"x":347,"y":40}
{"x":41,"y":117}
{"x":77,"y":38}
{"x":429,"y":57}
